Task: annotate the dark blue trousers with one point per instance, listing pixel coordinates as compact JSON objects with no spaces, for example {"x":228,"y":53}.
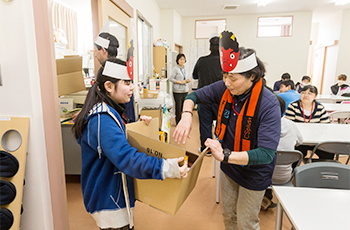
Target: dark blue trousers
{"x":207,"y":114}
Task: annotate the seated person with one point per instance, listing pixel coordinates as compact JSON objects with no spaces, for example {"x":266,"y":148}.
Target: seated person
{"x":340,"y":88}
{"x":288,"y":93}
{"x":290,"y":137}
{"x":277,"y":85}
{"x":308,"y":110}
{"x":304,"y":81}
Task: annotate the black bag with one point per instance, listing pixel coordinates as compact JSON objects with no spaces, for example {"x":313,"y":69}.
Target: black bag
{"x":6,"y":219}
{"x":8,"y":164}
{"x":7,"y":192}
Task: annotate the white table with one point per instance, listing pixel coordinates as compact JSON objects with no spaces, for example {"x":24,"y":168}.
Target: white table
{"x":313,"y":208}
{"x":330,"y":107}
{"x":314,"y":133}
{"x":335,"y":97}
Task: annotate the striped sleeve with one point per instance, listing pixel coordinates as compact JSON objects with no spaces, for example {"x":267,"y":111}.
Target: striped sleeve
{"x":322,"y":114}
{"x":293,"y":112}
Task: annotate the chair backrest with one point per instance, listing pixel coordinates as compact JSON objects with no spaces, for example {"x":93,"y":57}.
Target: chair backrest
{"x":342,"y":115}
{"x":345,"y":102}
{"x":326,"y":100}
{"x":336,"y":147}
{"x":288,"y":157}
{"x":323,"y":175}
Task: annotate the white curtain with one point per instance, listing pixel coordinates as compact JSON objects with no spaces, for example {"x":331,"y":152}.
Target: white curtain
{"x":66,"y":19}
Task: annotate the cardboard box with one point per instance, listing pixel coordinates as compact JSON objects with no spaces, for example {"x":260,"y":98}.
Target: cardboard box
{"x":170,"y":194}
{"x":154,"y":113}
{"x":69,"y":75}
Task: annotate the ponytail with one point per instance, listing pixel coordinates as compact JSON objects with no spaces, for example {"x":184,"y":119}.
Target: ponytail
{"x":93,"y":97}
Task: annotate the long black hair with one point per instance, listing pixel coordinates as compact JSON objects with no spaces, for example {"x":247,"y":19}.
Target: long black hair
{"x":97,"y":94}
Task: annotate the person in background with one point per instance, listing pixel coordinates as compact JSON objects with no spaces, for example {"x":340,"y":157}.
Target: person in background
{"x":308,"y":110}
{"x":288,"y":93}
{"x":208,"y":70}
{"x":340,"y":87}
{"x":109,"y":163}
{"x":290,"y":137}
{"x":106,"y":46}
{"x":180,"y":81}
{"x":277,"y":85}
{"x":248,"y":130}
{"x":305,"y":80}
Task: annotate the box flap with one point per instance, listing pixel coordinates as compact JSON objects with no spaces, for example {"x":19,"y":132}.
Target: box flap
{"x":154,"y":147}
{"x":140,"y":127}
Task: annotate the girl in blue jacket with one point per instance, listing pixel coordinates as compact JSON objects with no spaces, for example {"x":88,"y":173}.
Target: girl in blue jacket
{"x":109,"y":163}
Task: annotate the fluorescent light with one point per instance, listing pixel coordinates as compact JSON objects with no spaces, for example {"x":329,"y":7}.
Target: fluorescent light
{"x":341,"y":2}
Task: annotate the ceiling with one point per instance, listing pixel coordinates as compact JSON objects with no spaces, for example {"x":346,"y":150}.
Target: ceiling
{"x":203,"y":8}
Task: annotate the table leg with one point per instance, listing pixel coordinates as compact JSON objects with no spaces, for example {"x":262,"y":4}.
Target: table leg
{"x":279,"y":216}
{"x":218,"y":182}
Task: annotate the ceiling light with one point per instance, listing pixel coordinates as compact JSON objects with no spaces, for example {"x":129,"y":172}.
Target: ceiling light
{"x":341,"y":2}
{"x":263,"y":2}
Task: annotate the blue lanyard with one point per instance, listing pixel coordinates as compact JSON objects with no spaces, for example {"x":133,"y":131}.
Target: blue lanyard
{"x":183,"y":74}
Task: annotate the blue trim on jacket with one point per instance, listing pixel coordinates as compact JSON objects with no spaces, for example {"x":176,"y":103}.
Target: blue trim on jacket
{"x":101,"y":173}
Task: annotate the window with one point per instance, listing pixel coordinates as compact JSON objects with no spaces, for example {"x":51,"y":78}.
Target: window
{"x":144,"y":38}
{"x":204,"y":28}
{"x":275,"y":26}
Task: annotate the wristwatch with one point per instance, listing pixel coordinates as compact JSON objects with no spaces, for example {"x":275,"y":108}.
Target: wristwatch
{"x":227,"y":153}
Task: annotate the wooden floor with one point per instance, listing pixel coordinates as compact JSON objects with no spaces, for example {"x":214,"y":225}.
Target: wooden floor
{"x":199,"y":212}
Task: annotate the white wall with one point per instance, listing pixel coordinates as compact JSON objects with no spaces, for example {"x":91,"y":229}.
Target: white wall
{"x":288,"y":54}
{"x":343,"y":64}
{"x":20,"y":97}
{"x":329,"y":30}
{"x":150,"y":11}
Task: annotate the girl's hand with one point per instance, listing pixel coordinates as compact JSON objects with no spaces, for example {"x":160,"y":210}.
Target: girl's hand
{"x":183,"y":168}
{"x":146,"y":119}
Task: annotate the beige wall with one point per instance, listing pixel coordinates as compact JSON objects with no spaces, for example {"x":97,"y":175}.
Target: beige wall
{"x":343,"y":64}
{"x":281,"y":55}
{"x":29,"y":89}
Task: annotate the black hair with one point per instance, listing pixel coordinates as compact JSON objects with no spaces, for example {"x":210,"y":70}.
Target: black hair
{"x":313,"y":89}
{"x":179,"y":56}
{"x":282,"y":104}
{"x":285,"y":76}
{"x":96,"y":94}
{"x":288,"y":83}
{"x":113,"y":44}
{"x":258,"y":71}
{"x":214,"y":45}
{"x":306,"y":78}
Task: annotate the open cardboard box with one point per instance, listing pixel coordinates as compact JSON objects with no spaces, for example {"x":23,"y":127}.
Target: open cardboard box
{"x":167,"y":195}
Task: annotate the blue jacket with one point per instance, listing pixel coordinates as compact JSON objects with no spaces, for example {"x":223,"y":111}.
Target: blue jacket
{"x":101,"y":173}
{"x":289,"y":97}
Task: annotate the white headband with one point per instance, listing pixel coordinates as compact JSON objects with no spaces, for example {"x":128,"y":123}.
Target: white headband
{"x":102,"y":42}
{"x":115,"y":70}
{"x":245,"y":64}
